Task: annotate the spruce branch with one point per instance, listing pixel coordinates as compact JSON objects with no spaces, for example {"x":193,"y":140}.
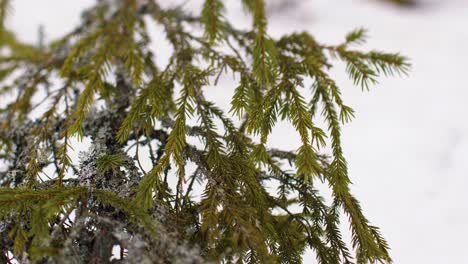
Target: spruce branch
{"x":117,"y":96}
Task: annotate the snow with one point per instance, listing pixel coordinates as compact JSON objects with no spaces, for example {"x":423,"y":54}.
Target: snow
{"x":408,"y":146}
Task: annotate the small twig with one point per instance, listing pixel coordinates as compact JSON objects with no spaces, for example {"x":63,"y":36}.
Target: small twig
{"x":137,"y":156}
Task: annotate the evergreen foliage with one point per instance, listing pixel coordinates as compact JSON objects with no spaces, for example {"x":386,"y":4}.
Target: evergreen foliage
{"x":113,"y":92}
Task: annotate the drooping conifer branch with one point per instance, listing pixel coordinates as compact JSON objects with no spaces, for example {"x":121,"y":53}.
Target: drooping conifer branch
{"x":118,"y":96}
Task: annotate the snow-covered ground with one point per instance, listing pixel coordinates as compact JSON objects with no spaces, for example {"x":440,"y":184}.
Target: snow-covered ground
{"x":408,"y":146}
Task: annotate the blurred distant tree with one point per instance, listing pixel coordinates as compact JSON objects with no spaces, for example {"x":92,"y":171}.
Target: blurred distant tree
{"x":102,"y":82}
{"x":406,"y":3}
{"x":284,"y":5}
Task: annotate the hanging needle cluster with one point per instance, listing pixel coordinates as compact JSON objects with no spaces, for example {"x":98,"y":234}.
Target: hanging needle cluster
{"x":205,"y":202}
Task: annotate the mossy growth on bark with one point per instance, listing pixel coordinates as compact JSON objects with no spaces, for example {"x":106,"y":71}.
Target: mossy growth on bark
{"x":102,"y":82}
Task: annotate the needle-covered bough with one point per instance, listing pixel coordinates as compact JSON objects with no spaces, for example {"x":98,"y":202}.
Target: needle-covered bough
{"x":103,"y":84}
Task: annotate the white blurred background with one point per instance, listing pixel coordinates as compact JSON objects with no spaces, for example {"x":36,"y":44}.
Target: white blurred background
{"x":407,"y":149}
